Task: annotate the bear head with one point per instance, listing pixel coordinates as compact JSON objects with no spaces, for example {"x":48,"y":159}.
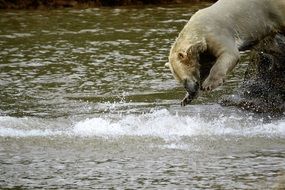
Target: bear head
{"x":185,"y":67}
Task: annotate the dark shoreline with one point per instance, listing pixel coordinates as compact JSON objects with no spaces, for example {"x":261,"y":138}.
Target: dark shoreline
{"x":40,"y":4}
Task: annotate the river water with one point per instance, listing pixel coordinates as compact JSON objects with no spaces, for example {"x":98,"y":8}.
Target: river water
{"x":86,"y":103}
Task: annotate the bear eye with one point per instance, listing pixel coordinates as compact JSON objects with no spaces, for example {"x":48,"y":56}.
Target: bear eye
{"x":182,"y":55}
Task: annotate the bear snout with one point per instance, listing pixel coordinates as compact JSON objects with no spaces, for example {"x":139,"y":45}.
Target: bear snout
{"x":191,"y":87}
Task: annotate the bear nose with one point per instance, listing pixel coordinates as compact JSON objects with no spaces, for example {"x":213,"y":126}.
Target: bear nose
{"x":191,"y":87}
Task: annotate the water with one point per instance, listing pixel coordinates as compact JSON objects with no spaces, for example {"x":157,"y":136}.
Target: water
{"x":86,"y":103}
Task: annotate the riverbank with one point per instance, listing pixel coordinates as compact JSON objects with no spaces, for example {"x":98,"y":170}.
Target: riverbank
{"x":38,"y":4}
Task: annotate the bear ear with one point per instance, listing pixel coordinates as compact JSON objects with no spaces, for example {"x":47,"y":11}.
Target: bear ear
{"x":195,"y":49}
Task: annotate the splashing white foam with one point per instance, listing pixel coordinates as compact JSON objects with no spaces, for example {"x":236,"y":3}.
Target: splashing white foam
{"x":165,"y":125}
{"x":161,"y":124}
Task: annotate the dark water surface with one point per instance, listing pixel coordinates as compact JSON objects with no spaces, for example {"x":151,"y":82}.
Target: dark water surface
{"x":86,"y":103}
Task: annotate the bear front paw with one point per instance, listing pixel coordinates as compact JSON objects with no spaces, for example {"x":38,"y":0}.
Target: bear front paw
{"x":210,"y":84}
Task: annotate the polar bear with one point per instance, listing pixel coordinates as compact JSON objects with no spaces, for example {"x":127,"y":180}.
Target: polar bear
{"x":221,"y":30}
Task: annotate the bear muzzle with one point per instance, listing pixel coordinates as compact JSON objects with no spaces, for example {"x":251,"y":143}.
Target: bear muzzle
{"x":192,"y":89}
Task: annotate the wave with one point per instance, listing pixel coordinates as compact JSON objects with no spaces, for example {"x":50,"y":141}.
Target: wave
{"x":165,"y":125}
{"x":159,"y":124}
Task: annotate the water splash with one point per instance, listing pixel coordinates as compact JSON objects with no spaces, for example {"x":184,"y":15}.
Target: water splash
{"x":157,"y":124}
{"x":165,"y":125}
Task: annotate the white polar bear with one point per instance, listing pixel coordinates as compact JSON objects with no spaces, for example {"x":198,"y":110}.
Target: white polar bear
{"x":221,"y":30}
